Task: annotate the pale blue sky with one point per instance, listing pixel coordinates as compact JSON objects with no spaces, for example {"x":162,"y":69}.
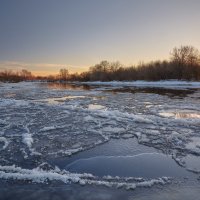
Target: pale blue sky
{"x":44,"y":35}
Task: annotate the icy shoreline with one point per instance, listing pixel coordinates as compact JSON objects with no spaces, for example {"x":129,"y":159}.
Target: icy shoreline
{"x":166,"y":84}
{"x":138,"y":83}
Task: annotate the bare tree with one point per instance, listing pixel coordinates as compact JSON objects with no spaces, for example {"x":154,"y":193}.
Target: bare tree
{"x":63,"y":74}
{"x":186,"y":55}
{"x":25,"y":74}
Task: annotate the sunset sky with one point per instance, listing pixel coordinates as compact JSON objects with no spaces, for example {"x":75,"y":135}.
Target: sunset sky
{"x":46,"y":35}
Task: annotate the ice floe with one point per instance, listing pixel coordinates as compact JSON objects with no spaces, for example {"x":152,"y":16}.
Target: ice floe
{"x":34,"y":131}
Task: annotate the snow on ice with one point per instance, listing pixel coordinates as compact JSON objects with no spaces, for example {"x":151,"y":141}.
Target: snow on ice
{"x":34,"y":131}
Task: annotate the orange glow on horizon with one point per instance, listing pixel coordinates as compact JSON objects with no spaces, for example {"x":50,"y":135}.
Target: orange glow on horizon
{"x":40,"y":69}
{"x":54,"y":73}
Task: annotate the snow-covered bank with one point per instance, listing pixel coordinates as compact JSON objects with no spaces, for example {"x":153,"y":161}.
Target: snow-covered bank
{"x":166,"y":84}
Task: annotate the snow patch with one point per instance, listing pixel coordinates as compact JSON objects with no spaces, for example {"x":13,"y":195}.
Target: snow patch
{"x":27,"y":139}
{"x":49,"y":128}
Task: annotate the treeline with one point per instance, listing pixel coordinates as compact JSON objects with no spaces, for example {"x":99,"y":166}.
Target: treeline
{"x":12,"y":76}
{"x":184,"y":64}
{"x":153,"y":71}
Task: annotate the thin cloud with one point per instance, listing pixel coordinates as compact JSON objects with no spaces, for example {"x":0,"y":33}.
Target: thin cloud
{"x":39,"y":68}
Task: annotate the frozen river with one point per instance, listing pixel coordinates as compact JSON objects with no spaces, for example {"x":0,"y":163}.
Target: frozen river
{"x":100,"y":141}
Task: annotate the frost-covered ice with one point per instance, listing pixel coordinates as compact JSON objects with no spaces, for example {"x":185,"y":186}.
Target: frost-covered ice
{"x":39,"y":124}
{"x":4,"y":140}
{"x":27,"y":139}
{"x":40,"y":176}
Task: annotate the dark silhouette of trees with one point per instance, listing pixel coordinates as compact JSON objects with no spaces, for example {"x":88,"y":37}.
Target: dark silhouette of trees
{"x":183,"y":65}
{"x":25,"y":74}
{"x":186,"y":61}
{"x":63,"y":74}
{"x":185,"y":55}
{"x":11,"y":76}
{"x":100,"y":71}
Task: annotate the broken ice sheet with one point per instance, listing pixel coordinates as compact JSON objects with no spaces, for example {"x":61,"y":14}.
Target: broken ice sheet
{"x":34,"y":131}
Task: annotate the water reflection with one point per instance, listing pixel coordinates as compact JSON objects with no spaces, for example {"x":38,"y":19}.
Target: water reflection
{"x":76,"y":192}
{"x":58,"y":100}
{"x":68,"y":86}
{"x":187,"y":114}
{"x":161,"y":91}
{"x":172,"y":93}
{"x":95,"y":107}
{"x":146,"y":165}
{"x":9,"y":95}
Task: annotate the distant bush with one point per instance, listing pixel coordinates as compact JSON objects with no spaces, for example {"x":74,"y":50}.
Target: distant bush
{"x":10,"y":76}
